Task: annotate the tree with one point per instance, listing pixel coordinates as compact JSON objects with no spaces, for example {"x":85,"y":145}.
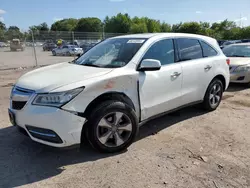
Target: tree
{"x":153,"y":26}
{"x":139,"y":28}
{"x":190,"y":27}
{"x":14,"y":32}
{"x":121,"y":23}
{"x":176,"y":27}
{"x":89,"y":25}
{"x":68,"y":24}
{"x":165,"y":27}
{"x":2,"y":31}
{"x":2,"y":26}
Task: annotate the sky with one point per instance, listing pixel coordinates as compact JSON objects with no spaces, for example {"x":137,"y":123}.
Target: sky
{"x":33,"y":12}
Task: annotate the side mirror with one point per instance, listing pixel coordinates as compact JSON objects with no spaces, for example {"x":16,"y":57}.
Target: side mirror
{"x":149,"y":65}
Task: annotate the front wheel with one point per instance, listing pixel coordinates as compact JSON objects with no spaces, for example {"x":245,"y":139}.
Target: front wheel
{"x":213,"y":95}
{"x":112,"y":127}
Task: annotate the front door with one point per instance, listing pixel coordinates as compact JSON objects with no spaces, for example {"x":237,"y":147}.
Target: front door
{"x":160,"y":91}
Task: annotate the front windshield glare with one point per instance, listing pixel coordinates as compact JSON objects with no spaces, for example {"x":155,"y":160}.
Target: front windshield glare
{"x":237,"y":51}
{"x":111,"y":53}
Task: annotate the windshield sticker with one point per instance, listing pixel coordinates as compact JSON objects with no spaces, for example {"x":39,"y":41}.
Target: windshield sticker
{"x":137,"y":41}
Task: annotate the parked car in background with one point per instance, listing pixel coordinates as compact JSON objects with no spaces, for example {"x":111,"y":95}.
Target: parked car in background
{"x":101,"y":97}
{"x":87,"y":46}
{"x":229,"y":42}
{"x":239,"y":55}
{"x":245,"y":40}
{"x":3,"y":44}
{"x":220,"y":42}
{"x":49,"y":46}
{"x":30,"y":44}
{"x":16,"y":44}
{"x":67,"y":50}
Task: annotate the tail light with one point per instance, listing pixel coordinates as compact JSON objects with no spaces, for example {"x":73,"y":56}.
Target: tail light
{"x":228,"y":61}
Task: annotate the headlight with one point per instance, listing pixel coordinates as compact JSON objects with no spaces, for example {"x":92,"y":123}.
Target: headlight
{"x":243,"y":68}
{"x":56,"y":99}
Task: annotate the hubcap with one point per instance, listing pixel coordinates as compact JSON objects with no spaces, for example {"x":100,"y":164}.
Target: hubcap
{"x":114,"y":129}
{"x":215,"y":95}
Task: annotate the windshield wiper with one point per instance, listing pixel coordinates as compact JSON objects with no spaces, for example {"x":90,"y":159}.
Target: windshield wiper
{"x":90,"y":65}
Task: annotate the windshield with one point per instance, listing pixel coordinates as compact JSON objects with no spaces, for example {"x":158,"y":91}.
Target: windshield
{"x":237,"y":51}
{"x":111,"y":53}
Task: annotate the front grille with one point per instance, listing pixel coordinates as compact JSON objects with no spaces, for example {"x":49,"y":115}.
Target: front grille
{"x":18,"y":105}
{"x":19,"y":97}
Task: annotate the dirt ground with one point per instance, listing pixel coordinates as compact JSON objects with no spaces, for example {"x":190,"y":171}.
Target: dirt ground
{"x":27,"y":57}
{"x":187,"y":149}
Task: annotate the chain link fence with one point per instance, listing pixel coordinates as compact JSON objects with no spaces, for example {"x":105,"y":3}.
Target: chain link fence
{"x":27,"y":49}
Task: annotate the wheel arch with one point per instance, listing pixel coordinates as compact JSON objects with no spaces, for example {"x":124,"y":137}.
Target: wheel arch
{"x":222,"y":79}
{"x":119,"y":96}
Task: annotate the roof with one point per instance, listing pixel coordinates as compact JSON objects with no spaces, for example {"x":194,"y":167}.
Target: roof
{"x":241,"y":44}
{"x":149,"y":35}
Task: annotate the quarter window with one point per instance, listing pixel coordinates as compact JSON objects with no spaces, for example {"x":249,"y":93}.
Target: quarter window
{"x":208,"y":51}
{"x":189,"y":49}
{"x":162,"y":50}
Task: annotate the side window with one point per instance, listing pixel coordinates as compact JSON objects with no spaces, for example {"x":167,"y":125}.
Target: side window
{"x":162,"y":50}
{"x":189,"y":49}
{"x":208,"y":51}
{"x":65,"y":46}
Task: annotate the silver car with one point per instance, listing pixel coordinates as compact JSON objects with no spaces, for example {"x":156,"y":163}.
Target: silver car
{"x":239,"y":55}
{"x":67,"y":50}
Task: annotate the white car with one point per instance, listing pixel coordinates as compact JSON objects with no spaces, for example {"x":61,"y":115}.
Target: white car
{"x":104,"y":95}
{"x":239,"y":55}
{"x":67,"y":50}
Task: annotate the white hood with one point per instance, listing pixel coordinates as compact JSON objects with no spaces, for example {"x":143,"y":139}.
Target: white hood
{"x":51,"y":77}
{"x":237,"y":61}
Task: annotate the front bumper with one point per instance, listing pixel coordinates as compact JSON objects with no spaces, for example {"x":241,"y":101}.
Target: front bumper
{"x":240,"y":77}
{"x":44,"y":123}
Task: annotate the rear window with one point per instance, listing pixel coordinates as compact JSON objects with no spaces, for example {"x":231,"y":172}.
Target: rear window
{"x":208,"y":51}
{"x":189,"y":49}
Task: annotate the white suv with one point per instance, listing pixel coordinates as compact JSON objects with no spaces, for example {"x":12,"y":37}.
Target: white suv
{"x":102,"y":97}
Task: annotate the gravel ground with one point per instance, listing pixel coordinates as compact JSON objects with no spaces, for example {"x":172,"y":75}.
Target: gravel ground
{"x":26,"y":58}
{"x":189,"y":148}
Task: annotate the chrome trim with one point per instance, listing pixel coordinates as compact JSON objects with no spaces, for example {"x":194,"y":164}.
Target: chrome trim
{"x":42,"y":134}
{"x":20,"y":94}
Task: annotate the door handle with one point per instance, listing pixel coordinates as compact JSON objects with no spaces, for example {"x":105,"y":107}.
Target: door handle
{"x":175,"y":74}
{"x":208,"y":67}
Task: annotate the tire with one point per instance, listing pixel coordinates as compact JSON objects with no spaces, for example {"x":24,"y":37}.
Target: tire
{"x":213,"y":95}
{"x":119,"y":135}
{"x":53,"y":53}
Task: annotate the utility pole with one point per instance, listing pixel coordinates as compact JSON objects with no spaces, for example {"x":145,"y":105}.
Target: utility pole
{"x":103,"y":33}
{"x":34,"y":48}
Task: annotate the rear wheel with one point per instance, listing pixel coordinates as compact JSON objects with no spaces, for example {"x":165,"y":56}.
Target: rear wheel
{"x":112,"y":127}
{"x":213,"y":95}
{"x":53,"y":53}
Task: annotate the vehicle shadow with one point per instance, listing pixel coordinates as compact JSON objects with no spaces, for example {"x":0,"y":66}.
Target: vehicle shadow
{"x":23,"y":161}
{"x":235,"y":87}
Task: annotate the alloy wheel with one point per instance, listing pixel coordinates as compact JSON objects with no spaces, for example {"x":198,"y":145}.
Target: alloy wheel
{"x":114,"y":129}
{"x":215,"y":95}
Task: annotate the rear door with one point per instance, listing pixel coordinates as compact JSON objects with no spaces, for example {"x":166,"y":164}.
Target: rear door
{"x":197,"y":66}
